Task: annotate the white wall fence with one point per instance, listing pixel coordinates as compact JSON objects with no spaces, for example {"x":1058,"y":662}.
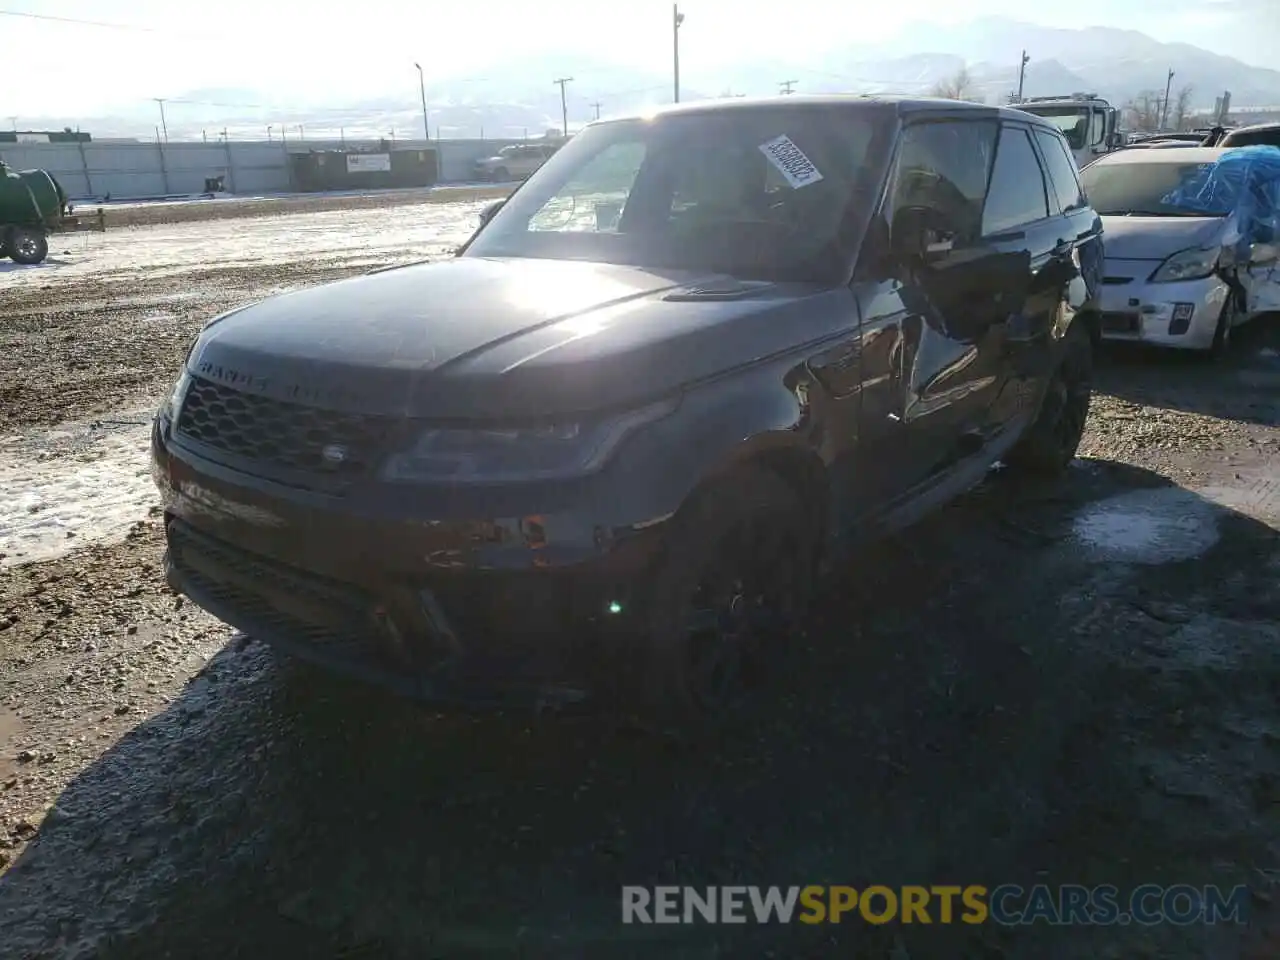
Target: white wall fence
{"x":125,"y":170}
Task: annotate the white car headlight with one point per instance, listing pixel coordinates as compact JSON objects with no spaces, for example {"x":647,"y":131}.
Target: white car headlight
{"x":1193,"y":264}
{"x":501,"y":454}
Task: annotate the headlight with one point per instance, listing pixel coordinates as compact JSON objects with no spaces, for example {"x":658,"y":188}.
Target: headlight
{"x":172,"y":404}
{"x":1192,"y":264}
{"x":498,"y":455}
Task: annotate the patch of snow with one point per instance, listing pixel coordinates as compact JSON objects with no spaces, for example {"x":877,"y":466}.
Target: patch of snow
{"x":92,"y":490}
{"x":371,"y":237}
{"x":1164,"y":525}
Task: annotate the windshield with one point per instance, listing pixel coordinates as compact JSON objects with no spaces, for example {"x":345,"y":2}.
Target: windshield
{"x":761,"y":194}
{"x":1140,"y":189}
{"x":1072,"y":121}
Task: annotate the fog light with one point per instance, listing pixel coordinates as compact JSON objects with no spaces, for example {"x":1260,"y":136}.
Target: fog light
{"x":1181,"y":318}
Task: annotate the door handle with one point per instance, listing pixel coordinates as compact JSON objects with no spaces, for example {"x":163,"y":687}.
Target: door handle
{"x":1062,"y":249}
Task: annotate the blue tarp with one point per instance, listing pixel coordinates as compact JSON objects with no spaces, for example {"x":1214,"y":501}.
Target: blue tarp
{"x":1244,"y":180}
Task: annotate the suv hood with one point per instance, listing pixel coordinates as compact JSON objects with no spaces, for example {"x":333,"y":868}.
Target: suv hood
{"x":512,"y":338}
{"x":1155,"y":238}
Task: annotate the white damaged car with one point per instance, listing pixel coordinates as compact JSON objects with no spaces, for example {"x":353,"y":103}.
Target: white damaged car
{"x":1190,"y":245}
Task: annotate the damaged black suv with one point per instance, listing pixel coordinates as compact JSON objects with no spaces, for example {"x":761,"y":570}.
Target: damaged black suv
{"x":606,"y":446}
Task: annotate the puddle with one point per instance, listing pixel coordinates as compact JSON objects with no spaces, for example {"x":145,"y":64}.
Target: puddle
{"x":1148,"y":526}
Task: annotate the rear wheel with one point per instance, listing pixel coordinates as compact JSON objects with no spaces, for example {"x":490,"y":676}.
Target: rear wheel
{"x":723,"y":613}
{"x":501,"y":175}
{"x":1051,"y":441}
{"x":27,"y":245}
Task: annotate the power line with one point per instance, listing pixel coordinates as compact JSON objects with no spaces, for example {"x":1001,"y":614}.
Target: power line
{"x":84,"y":23}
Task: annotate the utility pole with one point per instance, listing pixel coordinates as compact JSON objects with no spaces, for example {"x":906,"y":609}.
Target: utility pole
{"x":422,"y":92}
{"x":1022,"y":74}
{"x":785,"y":86}
{"x":270,"y":127}
{"x":302,"y":134}
{"x":677,"y":18}
{"x":163,"y":125}
{"x":564,"y":106}
{"x":1164,"y":118}
{"x":13,"y":122}
{"x":597,"y":105}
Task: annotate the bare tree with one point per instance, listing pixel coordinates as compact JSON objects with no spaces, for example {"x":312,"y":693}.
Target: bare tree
{"x":960,"y":86}
{"x":1142,"y":113}
{"x":1180,"y":112}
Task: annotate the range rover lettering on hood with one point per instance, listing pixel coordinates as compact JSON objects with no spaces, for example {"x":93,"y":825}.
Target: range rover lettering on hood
{"x":296,"y":392}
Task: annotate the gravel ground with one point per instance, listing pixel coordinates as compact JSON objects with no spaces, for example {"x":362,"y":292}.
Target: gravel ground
{"x":1069,"y":684}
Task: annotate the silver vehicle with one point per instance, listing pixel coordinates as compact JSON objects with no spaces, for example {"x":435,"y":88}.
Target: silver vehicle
{"x":515,"y":162}
{"x":1174,"y":276}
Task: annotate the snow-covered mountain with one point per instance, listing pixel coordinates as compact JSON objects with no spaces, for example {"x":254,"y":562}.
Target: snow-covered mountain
{"x":518,"y":96}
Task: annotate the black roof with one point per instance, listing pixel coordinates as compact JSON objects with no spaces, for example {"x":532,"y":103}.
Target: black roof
{"x":902,"y":106}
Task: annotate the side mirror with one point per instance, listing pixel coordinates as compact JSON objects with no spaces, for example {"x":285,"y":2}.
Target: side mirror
{"x":918,"y":233}
{"x":489,"y":212}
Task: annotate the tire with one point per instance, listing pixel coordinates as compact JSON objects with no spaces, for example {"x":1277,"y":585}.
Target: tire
{"x":27,"y":245}
{"x":501,"y":175}
{"x":1221,"y":345}
{"x":1052,"y":440}
{"x":724,"y":609}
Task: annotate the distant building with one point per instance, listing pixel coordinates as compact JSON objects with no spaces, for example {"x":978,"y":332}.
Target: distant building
{"x":44,"y":136}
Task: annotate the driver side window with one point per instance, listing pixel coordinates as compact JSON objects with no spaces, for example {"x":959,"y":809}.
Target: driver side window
{"x":943,"y":167}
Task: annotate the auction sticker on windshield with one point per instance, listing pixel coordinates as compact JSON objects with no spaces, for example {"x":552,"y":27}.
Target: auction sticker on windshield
{"x":791,"y":162}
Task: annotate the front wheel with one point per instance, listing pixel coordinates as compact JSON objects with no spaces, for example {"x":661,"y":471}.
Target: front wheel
{"x":1051,"y":441}
{"x":27,"y":245}
{"x":723,"y":613}
{"x":501,"y":175}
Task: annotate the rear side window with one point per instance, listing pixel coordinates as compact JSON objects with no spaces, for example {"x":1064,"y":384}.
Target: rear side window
{"x":1063,"y":177}
{"x":944,"y":165}
{"x":1017,"y":194}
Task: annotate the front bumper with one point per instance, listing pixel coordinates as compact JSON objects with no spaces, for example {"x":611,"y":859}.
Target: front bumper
{"x":452,"y":608}
{"x":1134,"y":309}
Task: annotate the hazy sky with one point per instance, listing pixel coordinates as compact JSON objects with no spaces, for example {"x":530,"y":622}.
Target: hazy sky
{"x":323,"y":51}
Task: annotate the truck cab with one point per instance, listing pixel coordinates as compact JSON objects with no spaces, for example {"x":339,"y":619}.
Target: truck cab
{"x":1088,"y":122}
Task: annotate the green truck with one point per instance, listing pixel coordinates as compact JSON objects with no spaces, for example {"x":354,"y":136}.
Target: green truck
{"x":32,"y":206}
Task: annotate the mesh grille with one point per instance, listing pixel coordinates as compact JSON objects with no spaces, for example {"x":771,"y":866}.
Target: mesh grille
{"x":279,"y":433}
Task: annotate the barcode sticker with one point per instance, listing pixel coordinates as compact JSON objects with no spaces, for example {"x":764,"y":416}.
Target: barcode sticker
{"x":791,"y":162}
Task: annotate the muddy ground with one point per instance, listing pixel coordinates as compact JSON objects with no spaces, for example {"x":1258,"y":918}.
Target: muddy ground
{"x":149,"y":214}
{"x":1070,"y":684}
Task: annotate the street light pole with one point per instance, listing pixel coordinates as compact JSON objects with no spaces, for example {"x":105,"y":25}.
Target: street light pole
{"x":1022,"y":73}
{"x":677,"y":18}
{"x":564,"y":106}
{"x":1168,"y":83}
{"x":164,"y":126}
{"x":422,"y":91}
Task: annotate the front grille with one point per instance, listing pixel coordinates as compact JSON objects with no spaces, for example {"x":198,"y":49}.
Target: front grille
{"x":281,"y":434}
{"x":1120,"y":323}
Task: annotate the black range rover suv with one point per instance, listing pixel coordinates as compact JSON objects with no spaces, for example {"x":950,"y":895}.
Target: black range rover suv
{"x":606,"y":446}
